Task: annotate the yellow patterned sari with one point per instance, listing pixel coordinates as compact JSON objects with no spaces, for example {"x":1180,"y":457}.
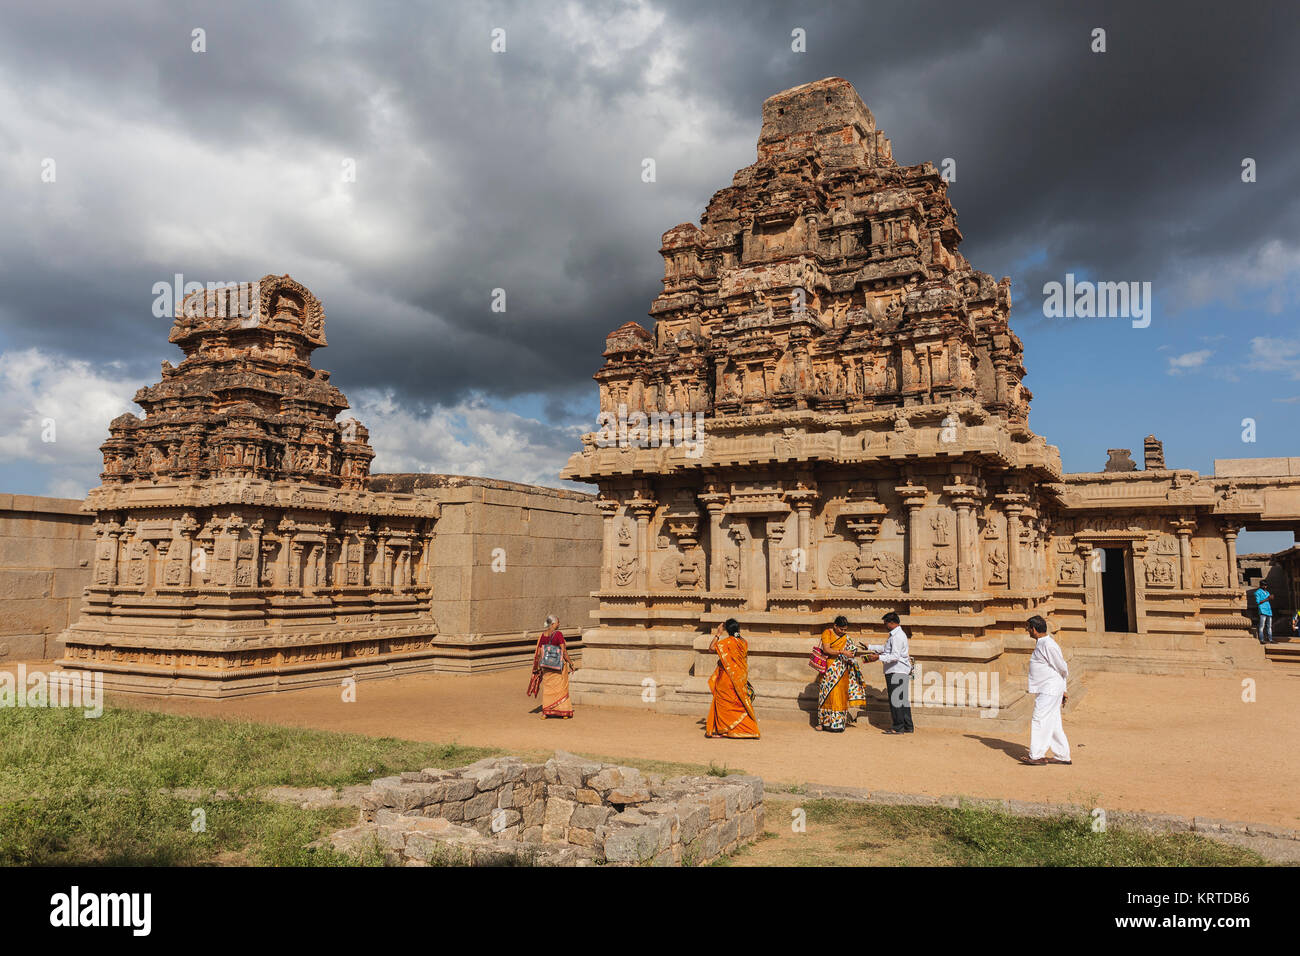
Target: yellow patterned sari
{"x":841,"y":685}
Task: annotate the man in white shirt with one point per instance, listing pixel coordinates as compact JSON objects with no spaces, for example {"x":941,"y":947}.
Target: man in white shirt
{"x":1048,"y":674}
{"x":898,"y":673}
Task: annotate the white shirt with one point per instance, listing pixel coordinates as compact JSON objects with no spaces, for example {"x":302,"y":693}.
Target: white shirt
{"x":893,"y":653}
{"x":1048,"y":671}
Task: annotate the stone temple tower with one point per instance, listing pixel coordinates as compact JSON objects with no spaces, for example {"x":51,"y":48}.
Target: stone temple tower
{"x":239,"y":547}
{"x":827,"y":418}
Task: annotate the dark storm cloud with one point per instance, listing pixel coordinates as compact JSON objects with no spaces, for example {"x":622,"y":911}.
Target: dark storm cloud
{"x":522,"y":171}
{"x":1125,"y":163}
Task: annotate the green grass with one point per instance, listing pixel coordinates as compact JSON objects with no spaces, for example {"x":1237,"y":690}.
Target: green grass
{"x":75,"y":791}
{"x":849,"y":833}
{"x":106,"y":791}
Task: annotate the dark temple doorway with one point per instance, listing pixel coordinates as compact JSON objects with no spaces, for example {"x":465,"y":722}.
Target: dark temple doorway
{"x":1114,"y":591}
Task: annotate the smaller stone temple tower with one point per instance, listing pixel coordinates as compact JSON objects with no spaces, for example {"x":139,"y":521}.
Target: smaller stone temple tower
{"x":245,"y":402}
{"x":239,"y":547}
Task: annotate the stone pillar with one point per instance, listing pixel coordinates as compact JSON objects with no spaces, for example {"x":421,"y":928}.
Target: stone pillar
{"x":256,"y":530}
{"x":380,"y":577}
{"x":398,"y":580}
{"x":1015,"y":570}
{"x":1184,"y":528}
{"x":159,"y":576}
{"x":966,"y":569}
{"x":608,"y":509}
{"x":913,"y":499}
{"x":802,"y":499}
{"x":964,"y":500}
{"x":113,"y":537}
{"x":1094,"y":612}
{"x":713,"y":503}
{"x":188,"y":528}
{"x":643,"y":508}
{"x":283,"y":573}
{"x":1138,"y":570}
{"x":760,"y":571}
{"x":364,"y":577}
{"x":773,"y":531}
{"x":426,"y":561}
{"x":231,"y":531}
{"x":1230,"y":538}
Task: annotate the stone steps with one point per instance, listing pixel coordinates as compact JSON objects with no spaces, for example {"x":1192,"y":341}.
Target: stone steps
{"x":1285,"y":652}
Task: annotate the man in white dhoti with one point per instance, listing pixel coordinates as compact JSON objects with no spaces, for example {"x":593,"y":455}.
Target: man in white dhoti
{"x":1048,"y":674}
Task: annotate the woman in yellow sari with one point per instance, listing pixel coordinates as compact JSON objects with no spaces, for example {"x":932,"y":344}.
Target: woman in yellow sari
{"x":551,"y":669}
{"x":841,"y":685}
{"x":732,"y":712}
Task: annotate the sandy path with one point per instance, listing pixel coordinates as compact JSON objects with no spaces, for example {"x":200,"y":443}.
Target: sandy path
{"x":1185,"y":745}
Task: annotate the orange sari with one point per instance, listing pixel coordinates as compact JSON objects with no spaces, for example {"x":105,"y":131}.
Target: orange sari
{"x":731,"y":714}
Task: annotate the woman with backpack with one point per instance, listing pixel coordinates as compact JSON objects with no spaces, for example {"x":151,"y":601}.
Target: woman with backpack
{"x":551,"y":669}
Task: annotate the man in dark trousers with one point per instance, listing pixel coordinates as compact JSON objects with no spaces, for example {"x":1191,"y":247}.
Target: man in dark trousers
{"x":893,"y":655}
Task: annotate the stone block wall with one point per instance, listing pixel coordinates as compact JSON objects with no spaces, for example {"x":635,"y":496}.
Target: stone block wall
{"x":505,"y":555}
{"x":569,"y":811}
{"x":46,"y":549}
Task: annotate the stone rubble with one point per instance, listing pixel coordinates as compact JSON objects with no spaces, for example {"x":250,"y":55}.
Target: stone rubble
{"x":569,"y":811}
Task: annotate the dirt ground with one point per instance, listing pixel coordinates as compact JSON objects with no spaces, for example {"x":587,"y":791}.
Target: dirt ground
{"x":1185,"y":745}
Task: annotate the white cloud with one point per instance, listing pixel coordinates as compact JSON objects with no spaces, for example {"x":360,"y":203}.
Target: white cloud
{"x":1269,"y":270}
{"x":470,"y":438}
{"x":71,"y":401}
{"x":1275,"y":355}
{"x":1188,"y":361}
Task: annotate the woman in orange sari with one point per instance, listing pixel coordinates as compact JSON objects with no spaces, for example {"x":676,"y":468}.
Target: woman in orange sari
{"x":551,"y":669}
{"x":732,"y":712}
{"x":841,"y":685}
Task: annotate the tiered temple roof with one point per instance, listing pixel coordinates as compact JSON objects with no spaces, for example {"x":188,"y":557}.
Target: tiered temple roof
{"x":245,"y":401}
{"x":826,"y":277}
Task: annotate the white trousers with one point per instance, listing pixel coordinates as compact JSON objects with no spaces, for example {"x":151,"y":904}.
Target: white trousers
{"x":1046,"y":731}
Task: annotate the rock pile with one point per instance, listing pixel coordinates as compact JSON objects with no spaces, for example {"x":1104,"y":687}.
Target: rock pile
{"x":570,"y":811}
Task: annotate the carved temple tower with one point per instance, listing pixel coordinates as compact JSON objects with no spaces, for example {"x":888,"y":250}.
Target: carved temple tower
{"x":239,"y":548}
{"x":865,"y":440}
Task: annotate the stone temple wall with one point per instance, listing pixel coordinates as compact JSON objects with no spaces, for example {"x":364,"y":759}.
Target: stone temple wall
{"x":544,"y":542}
{"x":46,"y":546}
{"x":505,"y":556}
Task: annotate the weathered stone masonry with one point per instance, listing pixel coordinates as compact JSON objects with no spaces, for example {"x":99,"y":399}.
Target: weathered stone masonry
{"x":569,"y":811}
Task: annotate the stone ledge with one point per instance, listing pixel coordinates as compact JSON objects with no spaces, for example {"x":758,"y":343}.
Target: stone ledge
{"x":38,"y":504}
